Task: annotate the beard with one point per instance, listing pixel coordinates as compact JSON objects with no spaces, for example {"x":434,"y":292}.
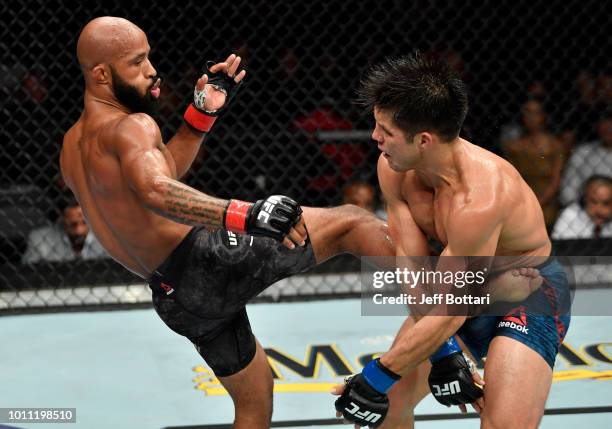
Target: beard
{"x":77,"y":241}
{"x":129,"y":96}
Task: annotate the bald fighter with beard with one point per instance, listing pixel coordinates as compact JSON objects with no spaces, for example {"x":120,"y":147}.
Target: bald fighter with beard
{"x":203,"y":257}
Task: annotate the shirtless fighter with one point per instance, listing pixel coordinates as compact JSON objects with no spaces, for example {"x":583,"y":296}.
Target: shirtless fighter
{"x":475,"y":203}
{"x":192,"y":248}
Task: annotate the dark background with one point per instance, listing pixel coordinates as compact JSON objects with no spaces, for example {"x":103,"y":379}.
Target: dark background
{"x":300,"y":56}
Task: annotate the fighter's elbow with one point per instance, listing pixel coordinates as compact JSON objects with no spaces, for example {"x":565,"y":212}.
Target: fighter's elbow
{"x":152,"y":193}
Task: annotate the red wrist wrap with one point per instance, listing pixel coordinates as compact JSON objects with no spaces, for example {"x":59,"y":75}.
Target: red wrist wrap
{"x":198,"y":120}
{"x":235,"y":216}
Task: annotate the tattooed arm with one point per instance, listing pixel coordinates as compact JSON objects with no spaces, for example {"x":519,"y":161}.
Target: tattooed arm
{"x":149,"y":170}
{"x":151,"y":174}
{"x":181,"y":203}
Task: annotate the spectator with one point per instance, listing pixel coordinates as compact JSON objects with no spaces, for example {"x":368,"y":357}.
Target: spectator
{"x":538,"y":156}
{"x":592,"y":216}
{"x":285,"y":83}
{"x":23,"y":109}
{"x":67,"y":240}
{"x":514,"y":128}
{"x":590,"y":97}
{"x":588,"y":160}
{"x":361,"y":194}
{"x":604,"y":89}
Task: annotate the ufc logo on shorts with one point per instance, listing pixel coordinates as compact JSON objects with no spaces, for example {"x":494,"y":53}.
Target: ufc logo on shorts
{"x":367,"y":416}
{"x":447,"y":389}
{"x":267,"y":208}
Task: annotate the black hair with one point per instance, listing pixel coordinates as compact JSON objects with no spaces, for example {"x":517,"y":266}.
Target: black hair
{"x":423,"y":94}
{"x":605,"y":180}
{"x":66,"y":200}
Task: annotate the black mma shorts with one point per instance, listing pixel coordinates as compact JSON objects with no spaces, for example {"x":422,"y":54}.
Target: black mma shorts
{"x":202,"y":289}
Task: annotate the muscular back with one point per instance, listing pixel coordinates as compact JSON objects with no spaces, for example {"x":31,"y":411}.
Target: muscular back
{"x":491,"y":200}
{"x":91,"y":166}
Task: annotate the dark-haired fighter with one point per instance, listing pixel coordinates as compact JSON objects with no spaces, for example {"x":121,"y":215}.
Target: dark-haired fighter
{"x":192,"y":248}
{"x":475,"y":203}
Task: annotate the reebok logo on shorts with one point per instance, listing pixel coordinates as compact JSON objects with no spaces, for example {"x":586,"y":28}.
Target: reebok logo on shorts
{"x":517,"y":319}
{"x":513,"y":325}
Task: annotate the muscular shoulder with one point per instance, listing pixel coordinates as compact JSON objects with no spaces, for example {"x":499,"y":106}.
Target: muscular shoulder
{"x":72,"y":134}
{"x":473,"y":224}
{"x":474,"y":204}
{"x":134,"y":130}
{"x":487,"y":190}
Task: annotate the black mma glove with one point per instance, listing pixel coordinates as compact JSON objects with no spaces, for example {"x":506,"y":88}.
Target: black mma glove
{"x":451,"y":382}
{"x":364,"y":400}
{"x":272,"y":217}
{"x":196,"y":114}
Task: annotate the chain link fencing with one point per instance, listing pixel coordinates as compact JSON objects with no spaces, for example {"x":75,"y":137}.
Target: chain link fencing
{"x":538,"y":74}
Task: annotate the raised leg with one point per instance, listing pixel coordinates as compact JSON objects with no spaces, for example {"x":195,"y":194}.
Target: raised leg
{"x":346,"y":229}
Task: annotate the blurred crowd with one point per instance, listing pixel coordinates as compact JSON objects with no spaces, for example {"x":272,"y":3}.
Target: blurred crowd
{"x":565,"y":156}
{"x":567,"y":159}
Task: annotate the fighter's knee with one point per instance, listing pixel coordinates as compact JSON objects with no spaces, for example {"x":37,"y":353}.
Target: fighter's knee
{"x":403,"y":398}
{"x":408,"y":392}
{"x":399,"y":418}
{"x":353,"y":216}
{"x":352,"y":211}
{"x":347,"y":229}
